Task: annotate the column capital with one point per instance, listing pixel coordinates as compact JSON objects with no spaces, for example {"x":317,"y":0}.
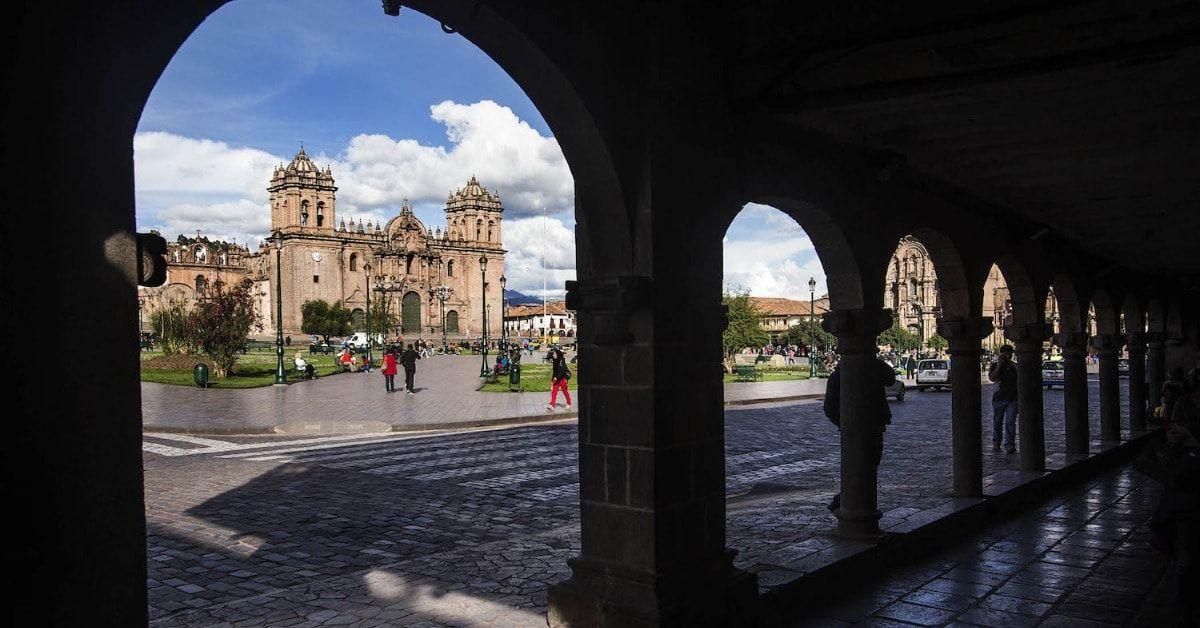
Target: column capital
{"x":608,"y":302}
{"x":857,"y":329}
{"x":1108,"y":342}
{"x":1071,"y":340}
{"x":1029,"y":335}
{"x":964,"y":333}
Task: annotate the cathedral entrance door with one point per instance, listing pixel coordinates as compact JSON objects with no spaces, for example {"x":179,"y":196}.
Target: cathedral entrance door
{"x":410,"y":313}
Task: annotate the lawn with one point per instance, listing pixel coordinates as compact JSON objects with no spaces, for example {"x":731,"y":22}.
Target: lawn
{"x":254,"y":368}
{"x":535,"y":377}
{"x":774,"y":375}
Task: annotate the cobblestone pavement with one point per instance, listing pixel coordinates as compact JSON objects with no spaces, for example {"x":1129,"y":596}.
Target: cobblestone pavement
{"x":1081,"y":559}
{"x":446,"y":394}
{"x":472,"y":526}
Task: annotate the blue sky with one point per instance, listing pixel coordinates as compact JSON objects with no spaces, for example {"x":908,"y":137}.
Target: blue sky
{"x":399,"y":109}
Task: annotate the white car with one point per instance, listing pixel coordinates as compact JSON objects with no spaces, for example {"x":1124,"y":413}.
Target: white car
{"x":933,"y":374}
{"x":1052,"y":374}
{"x":359,"y":340}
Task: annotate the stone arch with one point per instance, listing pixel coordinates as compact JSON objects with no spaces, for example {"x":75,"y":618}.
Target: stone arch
{"x":452,"y":322}
{"x":953,"y":291}
{"x":837,"y":258}
{"x":1107,"y":317}
{"x":201,"y":284}
{"x":1069,"y":302}
{"x":1025,"y":302}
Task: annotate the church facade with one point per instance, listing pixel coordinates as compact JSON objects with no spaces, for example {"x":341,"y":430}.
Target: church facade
{"x":415,"y":273}
{"x":911,"y":291}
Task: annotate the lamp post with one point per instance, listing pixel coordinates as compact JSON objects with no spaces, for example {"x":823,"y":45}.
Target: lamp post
{"x":812,"y":327}
{"x":443,"y":293}
{"x":280,"y":374}
{"x":367,"y":274}
{"x":483,"y":369}
{"x":503,"y":313}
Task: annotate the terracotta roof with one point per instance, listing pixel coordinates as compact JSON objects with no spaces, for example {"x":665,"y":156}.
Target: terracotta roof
{"x":552,"y":307}
{"x":774,"y":306}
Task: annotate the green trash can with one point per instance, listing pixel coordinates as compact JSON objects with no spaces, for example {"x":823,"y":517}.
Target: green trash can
{"x":200,"y":374}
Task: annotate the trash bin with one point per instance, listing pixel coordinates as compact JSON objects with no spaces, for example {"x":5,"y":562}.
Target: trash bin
{"x":200,"y":374}
{"x":514,"y":376}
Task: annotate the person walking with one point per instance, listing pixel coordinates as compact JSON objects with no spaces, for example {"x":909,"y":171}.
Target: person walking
{"x":408,"y":360}
{"x":389,"y":371}
{"x":560,"y":375}
{"x":833,"y":410}
{"x":1004,"y":401}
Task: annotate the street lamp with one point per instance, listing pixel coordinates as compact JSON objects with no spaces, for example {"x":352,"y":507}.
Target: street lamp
{"x":812,"y":327}
{"x":483,"y":370}
{"x":280,"y":374}
{"x":367,"y":274}
{"x":503,"y":313}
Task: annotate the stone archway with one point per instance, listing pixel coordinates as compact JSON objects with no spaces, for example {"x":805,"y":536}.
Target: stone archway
{"x":410,"y":313}
{"x":452,"y":322}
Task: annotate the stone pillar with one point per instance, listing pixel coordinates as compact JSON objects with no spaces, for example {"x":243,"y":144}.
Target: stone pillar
{"x":966,"y":435}
{"x":1031,"y":424}
{"x":1108,"y":349}
{"x":1075,"y":391}
{"x":1156,"y":366}
{"x":1136,"y":346}
{"x":861,"y":424}
{"x":651,"y":463}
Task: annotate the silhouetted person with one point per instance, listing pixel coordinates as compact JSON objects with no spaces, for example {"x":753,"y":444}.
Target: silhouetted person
{"x":408,"y":360}
{"x":1004,"y":401}
{"x":879,"y":406}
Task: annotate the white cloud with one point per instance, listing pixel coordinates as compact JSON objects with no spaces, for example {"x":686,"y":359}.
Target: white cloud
{"x":168,"y":163}
{"x":768,"y":254}
{"x":528,"y":240}
{"x":242,"y":220}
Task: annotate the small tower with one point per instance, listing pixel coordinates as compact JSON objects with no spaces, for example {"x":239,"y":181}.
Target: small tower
{"x":302,"y":195}
{"x":473,"y":214}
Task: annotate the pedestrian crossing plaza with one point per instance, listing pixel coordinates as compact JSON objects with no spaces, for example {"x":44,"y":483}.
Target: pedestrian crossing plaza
{"x":420,"y":527}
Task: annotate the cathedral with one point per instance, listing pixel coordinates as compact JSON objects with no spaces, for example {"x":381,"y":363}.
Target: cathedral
{"x":911,"y":291}
{"x":413,"y":272}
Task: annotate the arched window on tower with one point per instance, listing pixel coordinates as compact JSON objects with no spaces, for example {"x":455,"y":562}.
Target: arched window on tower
{"x":491,"y":226}
{"x":450,"y":268}
{"x":303,"y":213}
{"x":478,"y":230}
{"x":354,"y":261}
{"x":320,"y":213}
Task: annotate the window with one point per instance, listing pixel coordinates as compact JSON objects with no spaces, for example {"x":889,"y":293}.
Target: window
{"x":450,"y":268}
{"x":303,"y":213}
{"x":316,"y":279}
{"x":408,"y":264}
{"x":201,"y":284}
{"x":354,"y":261}
{"x":491,"y":225}
{"x":320,"y":214}
{"x":478,"y":229}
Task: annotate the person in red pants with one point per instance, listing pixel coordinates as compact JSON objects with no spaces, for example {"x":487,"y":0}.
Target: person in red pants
{"x":559,"y":377}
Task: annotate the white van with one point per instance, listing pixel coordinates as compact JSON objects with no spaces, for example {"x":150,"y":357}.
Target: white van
{"x":933,"y":374}
{"x":359,"y":340}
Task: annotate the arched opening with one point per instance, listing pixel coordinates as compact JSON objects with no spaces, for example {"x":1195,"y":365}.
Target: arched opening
{"x":353,"y":262}
{"x":304,"y":213}
{"x":320,"y":213}
{"x":410,"y":313}
{"x":358,"y":319}
{"x":201,"y":285}
{"x":450,"y":268}
{"x":452,"y":322}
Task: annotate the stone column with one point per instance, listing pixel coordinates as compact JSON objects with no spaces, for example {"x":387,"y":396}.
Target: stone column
{"x":651,"y":462}
{"x":861,"y":424}
{"x":1156,"y":367}
{"x":1031,"y":424}
{"x":1075,"y":391}
{"x":1136,"y":346}
{"x":966,"y":435}
{"x":1108,"y":349}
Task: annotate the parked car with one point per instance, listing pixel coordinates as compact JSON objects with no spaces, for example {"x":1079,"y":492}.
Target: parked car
{"x":933,"y":374}
{"x":1052,"y":374}
{"x":896,"y":390}
{"x":359,"y":340}
{"x":1123,"y":367}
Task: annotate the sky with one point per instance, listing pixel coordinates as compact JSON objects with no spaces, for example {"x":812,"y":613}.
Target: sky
{"x":398,"y":109}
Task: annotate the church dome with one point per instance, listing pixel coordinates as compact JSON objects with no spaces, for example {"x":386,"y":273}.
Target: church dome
{"x":301,"y":163}
{"x":473,"y":189}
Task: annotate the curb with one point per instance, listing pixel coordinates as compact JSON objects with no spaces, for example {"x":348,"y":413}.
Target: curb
{"x":422,"y":427}
{"x":829,"y":582}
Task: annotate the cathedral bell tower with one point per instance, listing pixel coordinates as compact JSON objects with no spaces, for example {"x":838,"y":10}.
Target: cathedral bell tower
{"x":302,"y":196}
{"x":473,"y":215}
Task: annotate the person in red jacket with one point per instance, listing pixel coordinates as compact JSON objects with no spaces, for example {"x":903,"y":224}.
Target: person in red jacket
{"x":389,"y":370}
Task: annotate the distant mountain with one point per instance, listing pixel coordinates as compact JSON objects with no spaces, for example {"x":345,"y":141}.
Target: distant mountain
{"x":519,"y":298}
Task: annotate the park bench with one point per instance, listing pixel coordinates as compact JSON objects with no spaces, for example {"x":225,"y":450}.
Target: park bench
{"x":746,"y":373}
{"x":258,"y":344}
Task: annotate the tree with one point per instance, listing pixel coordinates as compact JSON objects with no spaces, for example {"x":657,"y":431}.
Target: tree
{"x":220,"y":324}
{"x":809,"y":333}
{"x":324,"y":320}
{"x":171,"y":326}
{"x":744,"y":328}
{"x":381,"y":320}
{"x":899,"y":338}
{"x":936,"y":342}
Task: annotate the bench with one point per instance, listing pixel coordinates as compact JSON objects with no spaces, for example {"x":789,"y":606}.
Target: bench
{"x":746,"y":373}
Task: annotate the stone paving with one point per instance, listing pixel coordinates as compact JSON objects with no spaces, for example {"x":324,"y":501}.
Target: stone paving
{"x":472,"y":526}
{"x":446,"y":394}
{"x":1082,"y":558}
